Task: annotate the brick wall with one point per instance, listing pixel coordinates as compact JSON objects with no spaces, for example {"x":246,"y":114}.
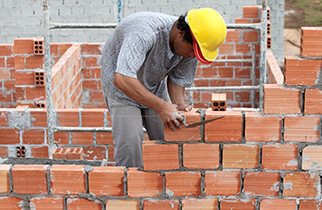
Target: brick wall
{"x":7,"y":76}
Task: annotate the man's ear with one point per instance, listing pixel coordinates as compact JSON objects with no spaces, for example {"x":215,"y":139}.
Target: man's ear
{"x":180,"y":34}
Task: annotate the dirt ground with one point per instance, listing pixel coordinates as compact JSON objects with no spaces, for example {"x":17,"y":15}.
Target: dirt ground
{"x":294,"y":19}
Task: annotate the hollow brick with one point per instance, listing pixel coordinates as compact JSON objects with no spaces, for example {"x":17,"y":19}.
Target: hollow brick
{"x":262,"y":128}
{"x":54,"y":203}
{"x":240,"y":156}
{"x":313,"y":101}
{"x":285,"y":204}
{"x":122,"y":205}
{"x":228,"y":128}
{"x":106,"y":181}
{"x":312,"y":157}
{"x":11,"y":203}
{"x":201,"y":156}
{"x":261,"y":184}
{"x":302,"y":129}
{"x":67,"y":179}
{"x":4,"y":178}
{"x":226,"y":204}
{"x":160,"y":156}
{"x":144,"y":184}
{"x":301,"y":184}
{"x":29,"y":179}
{"x":222,"y":183}
{"x":161,"y":204}
{"x":197,"y":203}
{"x":82,"y":203}
{"x":280,"y":157}
{"x":183,"y":183}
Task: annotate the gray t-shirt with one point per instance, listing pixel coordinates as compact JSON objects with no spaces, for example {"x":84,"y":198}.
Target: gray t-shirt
{"x":139,"y":48}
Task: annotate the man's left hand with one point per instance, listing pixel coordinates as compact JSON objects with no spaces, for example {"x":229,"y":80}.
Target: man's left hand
{"x":184,"y":107}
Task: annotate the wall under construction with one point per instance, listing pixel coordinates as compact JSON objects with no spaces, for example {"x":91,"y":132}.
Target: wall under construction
{"x":247,"y":160}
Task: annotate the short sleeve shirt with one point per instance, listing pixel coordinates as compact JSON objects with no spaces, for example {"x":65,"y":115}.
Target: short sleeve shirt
{"x":139,"y":48}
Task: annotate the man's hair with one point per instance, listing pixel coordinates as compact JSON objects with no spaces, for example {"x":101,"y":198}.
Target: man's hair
{"x":182,"y":25}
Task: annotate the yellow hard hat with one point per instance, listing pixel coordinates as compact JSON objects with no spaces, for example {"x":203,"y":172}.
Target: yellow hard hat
{"x":208,"y":30}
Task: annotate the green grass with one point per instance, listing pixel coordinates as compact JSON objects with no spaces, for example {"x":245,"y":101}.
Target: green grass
{"x":312,"y":10}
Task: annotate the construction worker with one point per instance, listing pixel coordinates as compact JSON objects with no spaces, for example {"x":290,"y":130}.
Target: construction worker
{"x":146,"y":64}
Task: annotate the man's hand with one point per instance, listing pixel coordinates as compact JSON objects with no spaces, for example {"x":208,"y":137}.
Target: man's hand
{"x":170,"y":116}
{"x":184,"y":107}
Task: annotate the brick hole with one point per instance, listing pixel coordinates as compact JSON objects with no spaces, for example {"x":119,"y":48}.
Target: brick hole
{"x":222,"y":103}
{"x":216,"y":104}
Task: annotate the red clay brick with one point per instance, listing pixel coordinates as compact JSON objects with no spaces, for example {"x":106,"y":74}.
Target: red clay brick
{"x":184,"y":134}
{"x":300,"y":71}
{"x":261,"y":184}
{"x":280,"y":157}
{"x":183,"y":183}
{"x":91,"y":49}
{"x":29,"y":179}
{"x":9,"y":136}
{"x":34,"y":62}
{"x":243,"y":20}
{"x":285,"y":204}
{"x":23,"y":46}
{"x":61,"y":138}
{"x":250,"y":36}
{"x":106,"y":181}
{"x":54,"y":203}
{"x":67,"y":179}
{"x":93,"y":118}
{"x":38,"y":118}
{"x":229,"y":204}
{"x":3,"y":118}
{"x":233,"y":36}
{"x":144,"y":184}
{"x":226,"y":49}
{"x":33,"y":93}
{"x":312,"y":157}
{"x":39,"y":152}
{"x":4,"y":178}
{"x":5,"y":49}
{"x":301,"y":184}
{"x":310,"y":205}
{"x":33,"y":136}
{"x":313,"y":101}
{"x":161,"y":204}
{"x":19,"y":64}
{"x":94,"y":153}
{"x":203,"y":203}
{"x":302,"y":129}
{"x":3,"y":151}
{"x":228,"y":128}
{"x":251,"y":12}
{"x":243,"y":48}
{"x":281,"y":100}
{"x":91,"y":61}
{"x":311,"y":42}
{"x":82,"y":138}
{"x":240,"y":156}
{"x":82,"y":204}
{"x":123,"y":204}
{"x":110,"y":153}
{"x":68,"y":117}
{"x":12,"y":203}
{"x":261,"y":128}
{"x":222,"y":183}
{"x":104,"y":138}
{"x":201,"y":156}
{"x":160,"y":156}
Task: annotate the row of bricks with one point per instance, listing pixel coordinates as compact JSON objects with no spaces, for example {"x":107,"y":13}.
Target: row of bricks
{"x":299,"y":71}
{"x":159,"y":157}
{"x":32,"y":151}
{"x":282,"y":100}
{"x":132,"y":183}
{"x":151,"y":204}
{"x":257,"y":128}
{"x":311,"y":43}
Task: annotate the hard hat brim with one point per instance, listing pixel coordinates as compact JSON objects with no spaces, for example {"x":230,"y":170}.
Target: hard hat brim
{"x":198,"y":53}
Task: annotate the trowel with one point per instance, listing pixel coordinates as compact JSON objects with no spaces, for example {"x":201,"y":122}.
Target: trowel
{"x":191,"y":125}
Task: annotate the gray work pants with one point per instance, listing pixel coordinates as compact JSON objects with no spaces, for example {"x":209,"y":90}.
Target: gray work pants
{"x":127,"y":131}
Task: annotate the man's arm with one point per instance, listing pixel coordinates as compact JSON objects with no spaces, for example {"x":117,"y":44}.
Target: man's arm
{"x":133,"y":88}
{"x":176,"y":93}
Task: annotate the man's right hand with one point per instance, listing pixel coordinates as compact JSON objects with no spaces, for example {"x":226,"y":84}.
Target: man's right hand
{"x":170,"y":116}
